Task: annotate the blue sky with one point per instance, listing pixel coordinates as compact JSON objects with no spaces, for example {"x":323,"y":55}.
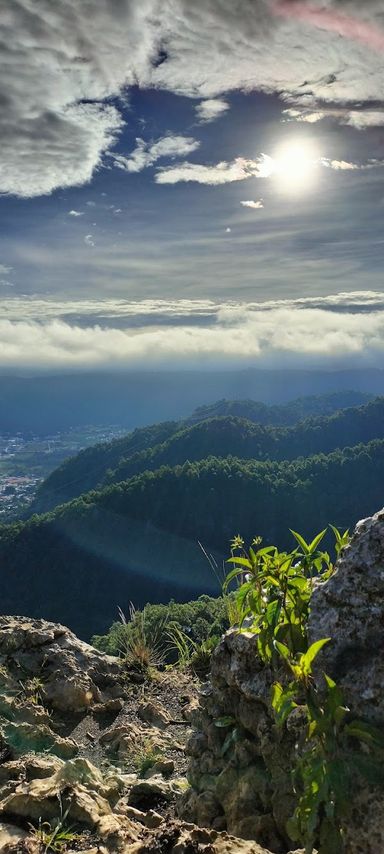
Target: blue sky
{"x":174,"y":176}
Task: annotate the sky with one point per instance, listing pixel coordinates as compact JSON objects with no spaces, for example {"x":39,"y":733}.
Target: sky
{"x":191,"y":184}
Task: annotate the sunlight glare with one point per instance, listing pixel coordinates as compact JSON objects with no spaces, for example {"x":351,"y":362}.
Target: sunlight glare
{"x":294,"y":166}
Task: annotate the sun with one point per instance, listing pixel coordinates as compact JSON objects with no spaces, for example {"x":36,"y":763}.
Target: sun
{"x":294,"y":166}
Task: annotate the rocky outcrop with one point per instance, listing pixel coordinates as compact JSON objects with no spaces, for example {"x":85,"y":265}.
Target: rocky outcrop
{"x":240,"y":765}
{"x":350,"y":610}
{"x":240,"y":762}
{"x":62,"y":701}
{"x":72,"y":674}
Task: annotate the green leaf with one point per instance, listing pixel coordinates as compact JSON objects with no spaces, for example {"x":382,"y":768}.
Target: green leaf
{"x":317,"y":540}
{"x":227,"y":743}
{"x":226,"y":720}
{"x":240,"y":561}
{"x":365,"y":732}
{"x":308,"y":657}
{"x":231,"y":575}
{"x":293,"y":829}
{"x":284,"y":650}
{"x":301,"y":541}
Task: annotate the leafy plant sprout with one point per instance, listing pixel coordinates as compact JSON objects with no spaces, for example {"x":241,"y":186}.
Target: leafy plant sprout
{"x":55,"y":836}
{"x":274,"y":592}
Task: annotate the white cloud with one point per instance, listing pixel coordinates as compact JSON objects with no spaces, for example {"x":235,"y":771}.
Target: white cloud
{"x":340,"y":165}
{"x":228,"y":230}
{"x":211,"y":109}
{"x":306,"y":116}
{"x":248,"y":203}
{"x":88,"y":240}
{"x":344,"y":165}
{"x":62,"y":63}
{"x":349,"y":330}
{"x":361,"y":120}
{"x":4,"y":269}
{"x":221,"y":173}
{"x":146,"y":154}
{"x":75,"y":213}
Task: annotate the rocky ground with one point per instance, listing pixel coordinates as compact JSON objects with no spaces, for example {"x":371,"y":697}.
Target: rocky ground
{"x":92,"y":755}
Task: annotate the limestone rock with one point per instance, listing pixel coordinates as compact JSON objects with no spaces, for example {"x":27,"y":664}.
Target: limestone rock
{"x":10,"y":835}
{"x":349,"y":608}
{"x":74,"y":674}
{"x":30,"y":767}
{"x":165,"y":767}
{"x":178,"y":838}
{"x":23,"y":737}
{"x":154,"y":714}
{"x":240,"y":774}
{"x":145,"y":794}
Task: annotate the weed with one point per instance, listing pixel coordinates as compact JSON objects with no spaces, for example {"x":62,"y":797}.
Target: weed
{"x":146,"y":757}
{"x":190,"y":654}
{"x":55,"y":836}
{"x":135,"y":646}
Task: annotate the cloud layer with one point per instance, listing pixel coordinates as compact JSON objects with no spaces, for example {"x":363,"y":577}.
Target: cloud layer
{"x":63,"y":62}
{"x":343,"y":330}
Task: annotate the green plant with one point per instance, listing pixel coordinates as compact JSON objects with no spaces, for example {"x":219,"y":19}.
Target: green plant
{"x":275,"y":590}
{"x":274,"y":593}
{"x":336,"y":748}
{"x":32,"y":691}
{"x":190,"y":654}
{"x":137,"y":646}
{"x":55,"y":836}
{"x":146,"y":757}
{"x":204,"y":617}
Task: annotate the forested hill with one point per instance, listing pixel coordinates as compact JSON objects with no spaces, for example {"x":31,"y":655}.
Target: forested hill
{"x":173,"y":443}
{"x":137,"y":540}
{"x":283,"y":415}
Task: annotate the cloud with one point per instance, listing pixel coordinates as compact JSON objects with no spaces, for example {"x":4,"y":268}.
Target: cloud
{"x":363,"y":119}
{"x":88,"y":240}
{"x":64,"y":63}
{"x":349,"y":331}
{"x":221,"y":173}
{"x":211,"y":109}
{"x":306,"y":116}
{"x":4,"y":269}
{"x":346,"y":165}
{"x":340,"y":165}
{"x":75,"y":213}
{"x":146,"y":154}
{"x":251,"y":204}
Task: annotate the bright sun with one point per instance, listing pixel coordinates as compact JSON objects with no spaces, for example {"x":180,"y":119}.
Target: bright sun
{"x":294,"y":166}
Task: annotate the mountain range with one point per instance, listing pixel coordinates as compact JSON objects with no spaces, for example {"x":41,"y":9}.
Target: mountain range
{"x":122,"y":521}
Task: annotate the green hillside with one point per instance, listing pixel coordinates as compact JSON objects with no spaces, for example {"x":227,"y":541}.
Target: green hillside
{"x":229,"y":435}
{"x":173,"y":443}
{"x":137,"y":540}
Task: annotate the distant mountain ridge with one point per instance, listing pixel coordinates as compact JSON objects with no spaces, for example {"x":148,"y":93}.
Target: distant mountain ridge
{"x":172,"y":443}
{"x":45,"y":404}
